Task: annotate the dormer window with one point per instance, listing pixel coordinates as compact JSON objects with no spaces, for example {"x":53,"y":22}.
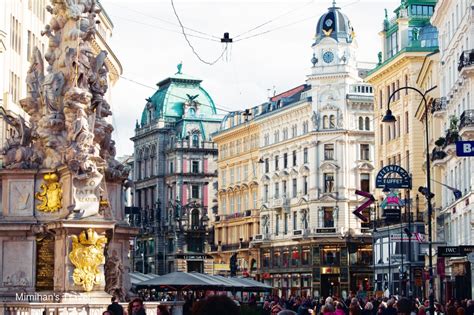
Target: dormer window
{"x":195,"y":140}
{"x":332,"y":121}
{"x":192,"y":112}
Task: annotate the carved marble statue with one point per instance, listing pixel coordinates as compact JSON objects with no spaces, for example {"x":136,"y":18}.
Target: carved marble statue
{"x":66,"y":103}
{"x":113,"y":276}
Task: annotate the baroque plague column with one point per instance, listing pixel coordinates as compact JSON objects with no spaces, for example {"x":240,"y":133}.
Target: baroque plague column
{"x":62,"y":229}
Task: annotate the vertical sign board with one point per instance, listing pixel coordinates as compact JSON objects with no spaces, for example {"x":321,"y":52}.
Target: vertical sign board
{"x":465,"y":148}
{"x":384,"y":180}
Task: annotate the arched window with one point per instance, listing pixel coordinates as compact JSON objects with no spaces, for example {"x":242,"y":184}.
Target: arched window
{"x":361,"y":123}
{"x":367,"y":123}
{"x":192,"y":112}
{"x":195,"y":140}
{"x":332,"y":121}
{"x":195,"y":219}
{"x":325,"y":122}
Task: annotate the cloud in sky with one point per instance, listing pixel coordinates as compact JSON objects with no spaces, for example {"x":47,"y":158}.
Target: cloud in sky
{"x":275,"y":55}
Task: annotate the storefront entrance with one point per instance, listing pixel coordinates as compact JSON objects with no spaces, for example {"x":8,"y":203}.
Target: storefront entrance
{"x":330,"y":285}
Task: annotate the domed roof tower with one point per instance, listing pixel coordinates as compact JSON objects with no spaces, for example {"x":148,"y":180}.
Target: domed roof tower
{"x":334,"y":24}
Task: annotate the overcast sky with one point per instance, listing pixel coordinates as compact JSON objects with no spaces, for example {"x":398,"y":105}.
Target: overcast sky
{"x":149,"y":43}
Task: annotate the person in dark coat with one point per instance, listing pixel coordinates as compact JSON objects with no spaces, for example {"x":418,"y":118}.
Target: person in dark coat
{"x":115,"y":308}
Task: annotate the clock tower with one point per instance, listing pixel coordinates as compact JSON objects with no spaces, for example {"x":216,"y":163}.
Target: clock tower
{"x":334,"y":66}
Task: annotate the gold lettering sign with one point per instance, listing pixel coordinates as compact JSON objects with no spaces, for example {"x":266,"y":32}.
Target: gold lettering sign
{"x":45,"y":263}
{"x":51,"y":195}
{"x":87,"y":255}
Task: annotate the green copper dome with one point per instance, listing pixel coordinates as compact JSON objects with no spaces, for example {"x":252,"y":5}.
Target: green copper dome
{"x":173,"y":92}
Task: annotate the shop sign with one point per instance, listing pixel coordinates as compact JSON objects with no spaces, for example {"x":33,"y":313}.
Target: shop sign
{"x":403,"y":181}
{"x":455,"y":251}
{"x":330,"y":270}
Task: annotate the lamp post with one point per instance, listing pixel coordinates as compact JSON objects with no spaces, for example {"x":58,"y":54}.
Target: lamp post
{"x":389,"y":118}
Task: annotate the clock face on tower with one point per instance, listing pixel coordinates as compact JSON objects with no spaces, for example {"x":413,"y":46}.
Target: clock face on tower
{"x":328,"y":57}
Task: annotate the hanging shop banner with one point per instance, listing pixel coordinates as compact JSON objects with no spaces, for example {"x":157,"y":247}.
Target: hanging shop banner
{"x":384,"y":180}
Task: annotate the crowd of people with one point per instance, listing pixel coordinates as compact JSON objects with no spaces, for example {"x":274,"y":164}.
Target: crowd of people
{"x":274,"y":305}
{"x":354,"y":306}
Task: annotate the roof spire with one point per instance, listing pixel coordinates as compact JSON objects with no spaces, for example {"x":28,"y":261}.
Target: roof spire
{"x":333,"y":3}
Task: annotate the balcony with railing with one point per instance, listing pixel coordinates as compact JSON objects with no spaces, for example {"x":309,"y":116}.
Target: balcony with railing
{"x":466,"y":59}
{"x":438,"y":106}
{"x":280,"y":203}
{"x":466,"y":124}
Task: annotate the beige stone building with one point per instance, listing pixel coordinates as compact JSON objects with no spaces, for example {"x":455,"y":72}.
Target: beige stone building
{"x":237,"y":220}
{"x":407,"y":39}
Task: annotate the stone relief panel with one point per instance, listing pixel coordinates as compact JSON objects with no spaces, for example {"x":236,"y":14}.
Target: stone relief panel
{"x":21,"y":198}
{"x":17,"y":269}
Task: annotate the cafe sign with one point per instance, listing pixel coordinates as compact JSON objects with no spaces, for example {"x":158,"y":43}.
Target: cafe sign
{"x":384,"y":180}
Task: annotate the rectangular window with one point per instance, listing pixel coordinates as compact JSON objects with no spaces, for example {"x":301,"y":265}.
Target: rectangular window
{"x":265,"y":193}
{"x":277,"y":190}
{"x":407,"y":126}
{"x":238,"y":203}
{"x":328,"y":217}
{"x":329,"y":151}
{"x":381,"y":134}
{"x":364,"y":152}
{"x":295,"y":187}
{"x":305,"y":185}
{"x":380,"y":99}
{"x":285,"y":160}
{"x":283,"y":183}
{"x":328,"y":182}
{"x":365,"y":182}
{"x":171,"y":167}
{"x":245,"y":175}
{"x":223,"y":205}
{"x":294,"y":158}
{"x":295,"y":220}
{"x":305,"y":155}
{"x":397,"y":96}
{"x":277,"y":158}
{"x":231,"y":175}
{"x":223,"y":178}
{"x":237,"y":170}
{"x":195,"y":167}
{"x":277,"y":224}
{"x":407,"y":157}
{"x":195,"y":191}
{"x":285,"y":224}
{"x":267,"y":166}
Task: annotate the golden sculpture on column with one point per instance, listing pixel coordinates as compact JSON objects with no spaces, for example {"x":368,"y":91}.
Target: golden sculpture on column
{"x":51,"y":195}
{"x":87,"y":255}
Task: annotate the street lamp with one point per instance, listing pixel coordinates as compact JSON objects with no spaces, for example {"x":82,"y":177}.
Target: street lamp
{"x":390,"y":118}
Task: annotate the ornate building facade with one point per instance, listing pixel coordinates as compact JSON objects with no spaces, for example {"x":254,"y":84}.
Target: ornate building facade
{"x":315,"y":150}
{"x":237,"y":220}
{"x":407,"y":39}
{"x":175,"y":176}
{"x":455,"y":23}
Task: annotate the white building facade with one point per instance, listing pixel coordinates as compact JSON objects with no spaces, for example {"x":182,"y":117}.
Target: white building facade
{"x":455,"y":23}
{"x":316,"y":151}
